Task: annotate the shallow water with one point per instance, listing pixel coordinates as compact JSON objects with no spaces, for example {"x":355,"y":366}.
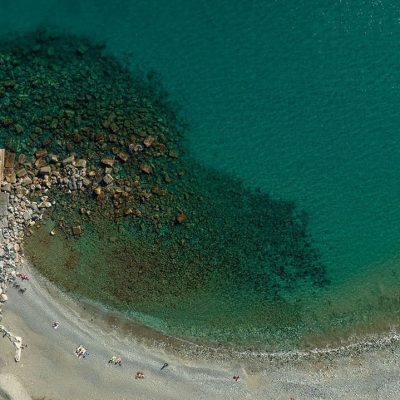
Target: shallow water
{"x":299,"y":100}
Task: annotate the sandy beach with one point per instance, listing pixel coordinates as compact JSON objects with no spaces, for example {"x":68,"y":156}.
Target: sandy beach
{"x":49,"y":369}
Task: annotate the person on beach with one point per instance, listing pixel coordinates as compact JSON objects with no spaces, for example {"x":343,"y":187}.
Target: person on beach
{"x":85,"y":354}
{"x":24,"y":276}
{"x":56,"y":324}
{"x":118,"y":361}
{"x":80,"y":351}
{"x":236,"y":378}
{"x":139,"y":375}
{"x":112,"y":359}
{"x":165,"y":365}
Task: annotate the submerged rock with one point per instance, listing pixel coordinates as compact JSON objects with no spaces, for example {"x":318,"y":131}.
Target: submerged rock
{"x":108,"y":179}
{"x":120,"y":144}
{"x":109,"y":161}
{"x":181,"y":218}
{"x":146,"y":169}
{"x":77,"y":230}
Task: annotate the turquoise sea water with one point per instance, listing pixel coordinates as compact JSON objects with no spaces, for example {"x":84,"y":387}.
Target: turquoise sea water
{"x":299,"y":99}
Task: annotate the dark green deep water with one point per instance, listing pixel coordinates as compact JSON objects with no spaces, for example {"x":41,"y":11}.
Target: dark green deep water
{"x":298,"y":100}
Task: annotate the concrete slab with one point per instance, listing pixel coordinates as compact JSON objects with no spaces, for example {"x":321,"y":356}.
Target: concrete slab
{"x":2,"y":159}
{"x":4,"y":199}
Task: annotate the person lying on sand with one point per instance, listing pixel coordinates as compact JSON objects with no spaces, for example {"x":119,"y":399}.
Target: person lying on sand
{"x":118,"y":361}
{"x":56,"y":324}
{"x":165,"y":365}
{"x":115,"y":360}
{"x":24,"y":276}
{"x":139,"y":375}
{"x":80,"y":351}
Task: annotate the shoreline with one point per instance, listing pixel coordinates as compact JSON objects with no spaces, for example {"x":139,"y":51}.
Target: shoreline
{"x":149,"y":336}
{"x":49,"y":368}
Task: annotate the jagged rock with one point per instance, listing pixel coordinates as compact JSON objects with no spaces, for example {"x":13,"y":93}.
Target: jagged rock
{"x":21,"y":173}
{"x":108,"y":161}
{"x":18,"y":128}
{"x":146,"y":169}
{"x":113,"y":138}
{"x":81,"y":163}
{"x":77,"y":230}
{"x":72,"y":184}
{"x":181,"y":218}
{"x":108,"y":179}
{"x":149,"y":141}
{"x":21,"y":159}
{"x":6,"y":187}
{"x":45,"y":170}
{"x":114,"y":127}
{"x":44,"y":204}
{"x":99,"y":193}
{"x":40,"y":162}
{"x":27,"y":181}
{"x":68,"y":160}
{"x":173,"y":153}
{"x":11,"y":178}
{"x":26,"y":215}
{"x":41,"y":153}
{"x":135,"y":147}
{"x":123,"y":156}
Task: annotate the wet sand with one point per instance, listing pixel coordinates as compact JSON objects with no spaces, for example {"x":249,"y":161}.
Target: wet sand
{"x":50,"y":369}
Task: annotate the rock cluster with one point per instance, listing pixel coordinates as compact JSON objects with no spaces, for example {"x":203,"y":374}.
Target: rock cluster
{"x":92,"y":145}
{"x":104,"y":133}
{"x":22,"y":214}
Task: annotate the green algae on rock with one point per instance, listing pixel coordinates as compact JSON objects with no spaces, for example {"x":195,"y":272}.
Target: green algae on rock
{"x":139,"y":225}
